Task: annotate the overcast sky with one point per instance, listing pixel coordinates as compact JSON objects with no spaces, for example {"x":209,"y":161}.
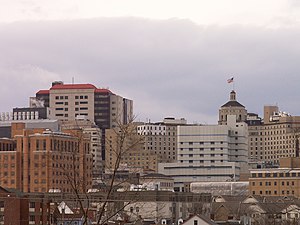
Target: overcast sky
{"x":171,"y":57}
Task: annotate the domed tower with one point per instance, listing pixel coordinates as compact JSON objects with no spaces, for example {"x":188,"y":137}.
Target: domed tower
{"x":232,"y":107}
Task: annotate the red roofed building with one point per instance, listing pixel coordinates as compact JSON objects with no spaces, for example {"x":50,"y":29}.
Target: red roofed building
{"x":68,"y":101}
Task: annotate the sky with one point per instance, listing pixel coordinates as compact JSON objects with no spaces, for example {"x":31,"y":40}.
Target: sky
{"x":171,"y":57}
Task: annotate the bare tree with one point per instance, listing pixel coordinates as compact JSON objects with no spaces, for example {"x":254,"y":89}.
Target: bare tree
{"x":121,"y":140}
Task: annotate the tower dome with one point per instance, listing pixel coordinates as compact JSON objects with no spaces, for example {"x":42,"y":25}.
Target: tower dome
{"x":232,"y":107}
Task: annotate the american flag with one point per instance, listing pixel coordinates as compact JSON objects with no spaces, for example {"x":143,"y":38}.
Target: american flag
{"x":230,"y":80}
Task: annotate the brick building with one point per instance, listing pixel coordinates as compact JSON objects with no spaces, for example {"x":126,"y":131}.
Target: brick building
{"x":22,"y":209}
{"x":282,"y":181}
{"x":38,"y":160}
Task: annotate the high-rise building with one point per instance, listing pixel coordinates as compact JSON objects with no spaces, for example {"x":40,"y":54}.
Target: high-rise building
{"x":277,"y":136}
{"x":94,"y":133}
{"x":209,"y":153}
{"x":67,"y":101}
{"x":161,"y":138}
{"x":124,"y":148}
{"x":99,"y":105}
{"x":39,"y":160}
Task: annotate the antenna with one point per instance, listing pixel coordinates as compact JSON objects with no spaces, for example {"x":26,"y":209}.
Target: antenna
{"x":72,"y":80}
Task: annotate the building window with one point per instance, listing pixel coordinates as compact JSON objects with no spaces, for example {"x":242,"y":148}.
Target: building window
{"x":31,"y":218}
{"x":195,"y":222}
{"x":31,"y":204}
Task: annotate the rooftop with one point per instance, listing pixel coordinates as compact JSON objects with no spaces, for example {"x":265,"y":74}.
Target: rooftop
{"x":233,"y":104}
{"x":74,"y":86}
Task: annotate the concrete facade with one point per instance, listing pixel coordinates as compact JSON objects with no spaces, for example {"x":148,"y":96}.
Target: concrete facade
{"x":209,"y":153}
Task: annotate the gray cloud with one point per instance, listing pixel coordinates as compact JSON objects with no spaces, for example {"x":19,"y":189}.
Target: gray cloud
{"x":169,"y":68}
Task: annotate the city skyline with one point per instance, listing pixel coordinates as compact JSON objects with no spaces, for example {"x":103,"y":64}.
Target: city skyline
{"x":170,"y":62}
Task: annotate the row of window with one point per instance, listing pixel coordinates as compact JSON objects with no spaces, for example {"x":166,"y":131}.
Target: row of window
{"x":269,"y":183}
{"x":282,"y":174}
{"x":201,"y":142}
{"x":201,"y":161}
{"x":268,"y":192}
{"x":5,"y":157}
{"x":201,"y":155}
{"x":76,"y":97}
{"x":151,"y":128}
{"x":201,"y":149}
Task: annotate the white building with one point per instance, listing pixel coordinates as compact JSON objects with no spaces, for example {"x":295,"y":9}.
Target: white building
{"x":209,"y":153}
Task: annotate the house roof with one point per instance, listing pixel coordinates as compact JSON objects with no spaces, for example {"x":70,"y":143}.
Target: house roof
{"x":207,"y":220}
{"x":269,"y":205}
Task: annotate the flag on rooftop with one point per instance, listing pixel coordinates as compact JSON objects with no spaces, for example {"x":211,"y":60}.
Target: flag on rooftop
{"x":230,"y":80}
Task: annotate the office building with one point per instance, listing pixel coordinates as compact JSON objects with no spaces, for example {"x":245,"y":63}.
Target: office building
{"x":39,"y":160}
{"x":282,"y":181}
{"x":277,"y":136}
{"x":19,"y":208}
{"x":161,"y":138}
{"x":67,"y":101}
{"x":124,"y":148}
{"x":209,"y":153}
{"x":94,"y":133}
